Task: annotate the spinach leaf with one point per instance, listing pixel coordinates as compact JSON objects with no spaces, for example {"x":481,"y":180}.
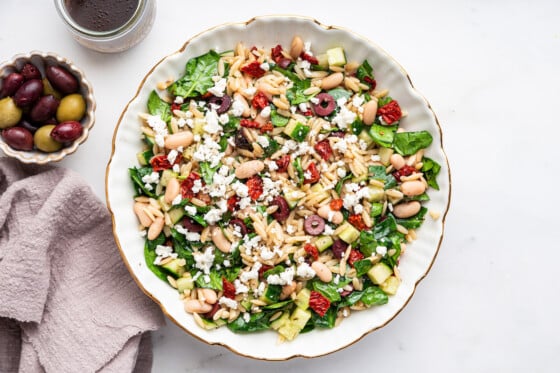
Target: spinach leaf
{"x":231,"y":273}
{"x":182,"y":247}
{"x":198,"y":76}
{"x":272,"y":293}
{"x":384,"y":101}
{"x":136,"y":175}
{"x":274,"y":271}
{"x":407,"y":143}
{"x":150,"y":256}
{"x":208,"y":172}
{"x":376,"y":209}
{"x":378,"y":173}
{"x":295,"y":94}
{"x":431,"y":169}
{"x":328,"y":290}
{"x":277,"y":305}
{"x":357,"y":126}
{"x":393,"y":243}
{"x":215,"y":282}
{"x":367,"y":243}
{"x":362,"y":266}
{"x":326,"y":321}
{"x":365,"y":71}
{"x":299,"y":171}
{"x":374,"y":296}
{"x":257,"y":321}
{"x":156,"y":106}
{"x":385,"y":227}
{"x":414,"y":221}
{"x":272,"y":147}
{"x":338,"y":186}
{"x":421,"y":198}
{"x":340,"y":93}
{"x":232,"y":125}
{"x":383,"y":135}
{"x":277,"y":119}
{"x":351,"y":299}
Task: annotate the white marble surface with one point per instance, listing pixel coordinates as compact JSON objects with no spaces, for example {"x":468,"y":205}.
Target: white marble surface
{"x":490,"y":71}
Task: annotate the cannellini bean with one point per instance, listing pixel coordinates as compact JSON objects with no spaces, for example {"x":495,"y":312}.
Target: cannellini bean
{"x":330,"y":215}
{"x":413,"y":188}
{"x":370,"y":110}
{"x":196,"y":306}
{"x":220,"y":240}
{"x":322,"y":271}
{"x":239,"y":97}
{"x":172,"y":190}
{"x":155,"y":228}
{"x":143,"y":218}
{"x":397,"y":161}
{"x":296,"y":48}
{"x":209,"y":295}
{"x":184,"y":139}
{"x":332,"y":81}
{"x":248,"y":169}
{"x":406,"y":210}
{"x":287,"y":290}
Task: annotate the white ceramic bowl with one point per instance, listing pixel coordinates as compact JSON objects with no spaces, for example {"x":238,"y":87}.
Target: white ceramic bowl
{"x":267,"y":32}
{"x":41,"y":60}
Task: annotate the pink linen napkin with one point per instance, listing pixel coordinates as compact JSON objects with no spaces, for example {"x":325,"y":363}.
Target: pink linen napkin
{"x":67,"y":302}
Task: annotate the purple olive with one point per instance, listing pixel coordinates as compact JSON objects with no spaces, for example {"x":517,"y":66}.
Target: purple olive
{"x":241,"y":141}
{"x":223,"y":103}
{"x":314,"y":225}
{"x":339,"y":248}
{"x":67,"y":131}
{"x":29,"y":72}
{"x":44,"y":109}
{"x":62,"y":80}
{"x":192,"y":226}
{"x":28,"y":93}
{"x":11,"y":84}
{"x":283,"y":209}
{"x":18,"y":138}
{"x":242,"y":227}
{"x":284,"y":63}
{"x":325,"y":106}
{"x":339,"y":134}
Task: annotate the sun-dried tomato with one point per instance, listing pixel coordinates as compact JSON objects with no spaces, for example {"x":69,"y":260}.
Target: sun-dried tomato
{"x":187,"y":185}
{"x":318,"y":303}
{"x":228,"y":288}
{"x":309,"y":58}
{"x":311,"y":174}
{"x":255,"y":186}
{"x":323,"y":148}
{"x":406,"y":170}
{"x":260,"y":101}
{"x":210,"y":315}
{"x":276,"y":53}
{"x":357,"y":221}
{"x":369,"y":80}
{"x":336,"y":204}
{"x":232,"y":203}
{"x":263,"y":269}
{"x":160,"y":163}
{"x":306,"y":113}
{"x":248,"y":123}
{"x":283,"y":162}
{"x":390,"y":112}
{"x":354,"y":256}
{"x":175,"y":106}
{"x":253,"y":69}
{"x":267,"y":127}
{"x":311,"y":250}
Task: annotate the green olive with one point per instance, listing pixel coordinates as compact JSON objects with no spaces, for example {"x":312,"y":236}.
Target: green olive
{"x":72,"y":107}
{"x":43,"y":140}
{"x":49,"y":90}
{"x":10,"y":114}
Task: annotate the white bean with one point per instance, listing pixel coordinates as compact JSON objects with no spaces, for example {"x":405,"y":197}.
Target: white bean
{"x":406,"y":210}
{"x":184,"y":139}
{"x":413,"y":188}
{"x":330,"y":215}
{"x":172,"y":190}
{"x":143,"y":218}
{"x":287,"y":290}
{"x":220,"y":239}
{"x":370,"y":110}
{"x":296,"y":48}
{"x":156,"y":228}
{"x":323,"y":272}
{"x":397,"y":161}
{"x":249,"y":168}
{"x":196,"y":306}
{"x":332,"y":81}
{"x":209,"y":295}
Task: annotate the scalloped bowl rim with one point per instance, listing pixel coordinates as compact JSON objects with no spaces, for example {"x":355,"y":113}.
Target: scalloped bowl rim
{"x":268,"y":31}
{"x":86,"y":89}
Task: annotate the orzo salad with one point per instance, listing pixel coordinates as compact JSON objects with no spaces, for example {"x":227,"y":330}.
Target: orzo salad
{"x":277,"y":188}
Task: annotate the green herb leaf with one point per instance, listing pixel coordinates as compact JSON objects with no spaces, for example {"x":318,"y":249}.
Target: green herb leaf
{"x":365,"y":70}
{"x":357,"y":127}
{"x":257,"y":321}
{"x":272,"y":147}
{"x":208,"y":172}
{"x":384,"y":101}
{"x":277,"y":305}
{"x":215,"y":281}
{"x":299,"y":171}
{"x":407,"y":143}
{"x":431,"y":169}
{"x":362,"y":266}
{"x":156,"y":106}
{"x":136,"y":175}
{"x":338,"y":186}
{"x":385,"y":228}
{"x":198,"y":76}
{"x":150,"y":256}
{"x":378,"y":173}
{"x":326,"y":321}
{"x":374,"y":296}
{"x":367,"y":243}
{"x":328,"y":290}
{"x":337,"y":93}
{"x":383,"y":135}
{"x":414,"y":221}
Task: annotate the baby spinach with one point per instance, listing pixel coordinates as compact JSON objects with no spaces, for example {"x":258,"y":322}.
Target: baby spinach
{"x":328,"y":290}
{"x":367,"y":243}
{"x":414,"y":221}
{"x":383,"y":135}
{"x":338,"y":186}
{"x":385,"y":227}
{"x":272,"y":147}
{"x":337,"y":93}
{"x":357,"y":126}
{"x":198,"y":76}
{"x":150,"y":255}
{"x":257,"y":321}
{"x":277,"y":119}
{"x":378,"y":173}
{"x":374,"y":296}
{"x":431,"y":169}
{"x":362,"y":266}
{"x":365,"y":73}
{"x":215,"y":282}
{"x":208,"y":172}
{"x":407,"y":143}
{"x":326,"y":321}
{"x":136,"y":175}
{"x":182,"y":247}
{"x":384,"y":101}
{"x":156,"y":106}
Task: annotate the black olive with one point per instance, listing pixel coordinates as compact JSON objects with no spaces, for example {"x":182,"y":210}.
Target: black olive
{"x":223,"y":103}
{"x":241,"y":141}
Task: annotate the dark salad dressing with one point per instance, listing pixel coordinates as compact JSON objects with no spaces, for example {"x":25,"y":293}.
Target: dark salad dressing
{"x":101,"y":15}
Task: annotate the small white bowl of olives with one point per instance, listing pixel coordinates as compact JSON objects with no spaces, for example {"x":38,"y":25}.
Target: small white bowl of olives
{"x":46,"y":107}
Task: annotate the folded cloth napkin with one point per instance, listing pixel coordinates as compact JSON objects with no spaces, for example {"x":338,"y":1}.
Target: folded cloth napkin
{"x":67,"y":302}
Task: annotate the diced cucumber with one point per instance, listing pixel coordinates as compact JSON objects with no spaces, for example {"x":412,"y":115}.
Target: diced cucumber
{"x":276,"y":324}
{"x":198,"y":126}
{"x":296,"y":130}
{"x":149,"y":140}
{"x":295,"y":324}
{"x":185,"y":283}
{"x":323,"y":60}
{"x":176,"y":267}
{"x":379,"y":273}
{"x":278,"y":120}
{"x":391,"y":285}
{"x":365,"y":137}
{"x":144,"y":157}
{"x":375,"y":193}
{"x":293,"y":197}
{"x":317,"y":188}
{"x":348,"y":233}
{"x":176,"y":214}
{"x":164,"y":205}
{"x":385,"y":155}
{"x":323,"y":243}
{"x":302,"y":298}
{"x":209,"y":325}
{"x":336,"y":57}
{"x":358,"y":179}
{"x":167,"y":175}
{"x":246,"y":303}
{"x":376,"y":209}
{"x":271,"y":294}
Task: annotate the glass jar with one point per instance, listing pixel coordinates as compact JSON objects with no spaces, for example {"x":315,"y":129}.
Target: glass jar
{"x":119,"y":39}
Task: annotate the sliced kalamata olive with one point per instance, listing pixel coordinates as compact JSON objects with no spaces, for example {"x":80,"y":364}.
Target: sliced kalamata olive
{"x":346,"y":292}
{"x":239,"y":223}
{"x":284,"y":63}
{"x":223,"y":103}
{"x":325,"y":106}
{"x":241,"y":141}
{"x":215,"y":308}
{"x":339,"y":134}
{"x":314,"y":225}
{"x":339,"y":248}
{"x":29,"y":71}
{"x":283,"y":209}
{"x":11,"y":84}
{"x":192,"y":226}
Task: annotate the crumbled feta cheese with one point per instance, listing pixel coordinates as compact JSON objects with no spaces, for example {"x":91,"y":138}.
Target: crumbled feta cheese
{"x":272,"y":166}
{"x":290,"y":229}
{"x":249,"y":91}
{"x":218,"y":88}
{"x":177,"y":200}
{"x":283,"y":278}
{"x":244,"y":202}
{"x":266,"y":253}
{"x":159,"y":127}
{"x":265,"y":66}
{"x":246,"y":316}
{"x":305,"y":271}
{"x":259,"y":290}
{"x":213,"y":216}
{"x":351,"y":187}
{"x":263,"y":141}
{"x":289,"y":146}
{"x":303,"y":107}
{"x":172,"y":156}
{"x":191,"y":210}
{"x":204,"y":260}
{"x":336,"y":279}
{"x":223,"y":119}
{"x":358,"y":209}
{"x":178,"y":100}
{"x":208,"y":151}
{"x":376,"y":158}
{"x":197,"y":186}
{"x":226,"y":263}
{"x":381,"y":250}
{"x":357,"y":101}
{"x":176,"y":168}
{"x":328,"y":230}
{"x":230,"y":303}
{"x":341,"y":172}
{"x":252,"y":274}
{"x":265,"y":113}
{"x":212,"y":122}
{"x":239,"y":287}
{"x":344,"y":117}
{"x":240,"y":189}
{"x":237,"y":108}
